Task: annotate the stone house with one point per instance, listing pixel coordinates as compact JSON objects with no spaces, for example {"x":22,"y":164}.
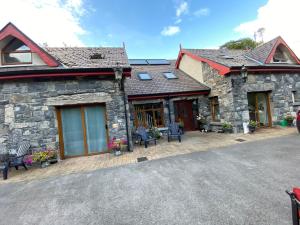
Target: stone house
{"x":70,"y":99}
{"x":77,"y":99}
{"x":262,"y":84}
{"x":158,"y":93}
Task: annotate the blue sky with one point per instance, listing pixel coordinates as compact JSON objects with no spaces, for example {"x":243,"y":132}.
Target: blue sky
{"x":204,"y":24}
{"x":152,"y":28}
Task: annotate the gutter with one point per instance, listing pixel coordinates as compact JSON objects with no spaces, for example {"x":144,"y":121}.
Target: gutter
{"x":48,"y":73}
{"x":167,"y":95}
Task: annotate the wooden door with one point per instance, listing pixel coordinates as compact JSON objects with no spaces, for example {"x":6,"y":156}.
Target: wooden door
{"x":184,"y":113}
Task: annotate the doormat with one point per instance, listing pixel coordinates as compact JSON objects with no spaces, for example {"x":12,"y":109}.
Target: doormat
{"x":141,"y":159}
{"x":240,"y":140}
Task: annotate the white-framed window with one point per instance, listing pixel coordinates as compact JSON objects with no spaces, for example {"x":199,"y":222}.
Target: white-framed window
{"x":296,"y":96}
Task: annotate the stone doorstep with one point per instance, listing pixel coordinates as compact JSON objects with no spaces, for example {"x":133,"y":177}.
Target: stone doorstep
{"x":190,"y":143}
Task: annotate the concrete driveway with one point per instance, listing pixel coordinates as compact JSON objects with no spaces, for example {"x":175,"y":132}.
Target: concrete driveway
{"x":242,"y":184}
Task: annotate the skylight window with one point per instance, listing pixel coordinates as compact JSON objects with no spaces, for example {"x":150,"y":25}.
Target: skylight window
{"x":144,"y":76}
{"x":170,"y":75}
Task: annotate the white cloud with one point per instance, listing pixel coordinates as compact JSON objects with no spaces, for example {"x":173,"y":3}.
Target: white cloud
{"x":183,"y":8}
{"x":278,"y":18}
{"x":170,"y":30}
{"x":202,"y":12}
{"x":55,"y":22}
{"x":178,"y":21}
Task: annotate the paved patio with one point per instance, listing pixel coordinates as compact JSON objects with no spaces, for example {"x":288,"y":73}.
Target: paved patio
{"x":191,"y":142}
{"x":235,"y":185}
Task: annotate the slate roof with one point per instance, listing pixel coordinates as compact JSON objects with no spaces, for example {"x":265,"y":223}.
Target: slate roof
{"x":159,"y":84}
{"x":262,"y":52}
{"x":80,"y":57}
{"x":232,"y":58}
{"x":225,"y":57}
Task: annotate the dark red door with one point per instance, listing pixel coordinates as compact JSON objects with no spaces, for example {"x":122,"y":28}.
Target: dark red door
{"x":184,"y":113}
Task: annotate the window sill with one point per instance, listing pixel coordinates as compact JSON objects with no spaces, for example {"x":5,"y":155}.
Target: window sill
{"x":216,"y":123}
{"x":296,"y":104}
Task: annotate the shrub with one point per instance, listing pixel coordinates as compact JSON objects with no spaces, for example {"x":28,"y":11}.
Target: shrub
{"x":154,"y":132}
{"x":252,"y":123}
{"x":289,"y":117}
{"x":44,"y":155}
{"x":227,"y":125}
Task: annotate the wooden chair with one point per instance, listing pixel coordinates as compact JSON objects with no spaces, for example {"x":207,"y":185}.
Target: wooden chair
{"x":4,"y":165}
{"x":174,"y":132}
{"x":144,"y":136}
{"x":18,"y":159}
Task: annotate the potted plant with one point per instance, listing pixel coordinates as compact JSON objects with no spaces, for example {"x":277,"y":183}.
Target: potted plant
{"x":289,"y":119}
{"x":227,"y":127}
{"x":45,"y":157}
{"x":252,"y":125}
{"x":181,"y":125}
{"x":201,"y":122}
{"x":117,"y":145}
{"x":155,"y":133}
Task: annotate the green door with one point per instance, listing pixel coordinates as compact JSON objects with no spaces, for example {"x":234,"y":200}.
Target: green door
{"x":83,"y":130}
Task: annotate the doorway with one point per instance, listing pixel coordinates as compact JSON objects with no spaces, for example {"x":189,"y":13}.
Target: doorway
{"x":185,"y":113}
{"x":82,"y":130}
{"x":259,"y":108}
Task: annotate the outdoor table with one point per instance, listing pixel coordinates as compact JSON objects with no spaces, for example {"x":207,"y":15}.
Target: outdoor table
{"x":163,"y":130}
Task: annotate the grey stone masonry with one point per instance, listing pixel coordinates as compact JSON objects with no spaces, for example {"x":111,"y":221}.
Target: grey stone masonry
{"x":221,"y":87}
{"x":232,"y":93}
{"x":280,"y":87}
{"x":28,"y":108}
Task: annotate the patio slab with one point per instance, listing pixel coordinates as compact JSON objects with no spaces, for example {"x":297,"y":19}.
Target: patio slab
{"x":191,"y":142}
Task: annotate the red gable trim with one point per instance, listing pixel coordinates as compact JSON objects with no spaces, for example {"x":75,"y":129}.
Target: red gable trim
{"x":47,"y":75}
{"x":12,"y":30}
{"x":278,"y":42}
{"x":157,"y":96}
{"x":223,"y":70}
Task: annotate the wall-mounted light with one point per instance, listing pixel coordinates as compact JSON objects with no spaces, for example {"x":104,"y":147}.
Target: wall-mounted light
{"x":244,"y":73}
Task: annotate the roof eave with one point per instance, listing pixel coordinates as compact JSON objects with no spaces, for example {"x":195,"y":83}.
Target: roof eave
{"x":222,"y":69}
{"x":68,"y":72}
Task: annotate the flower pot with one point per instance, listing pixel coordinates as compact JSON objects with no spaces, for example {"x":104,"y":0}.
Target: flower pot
{"x":52,"y":161}
{"x":251,"y":129}
{"x":289,"y":123}
{"x":44,"y":164}
{"x":228,"y":130}
{"x":118,"y":152}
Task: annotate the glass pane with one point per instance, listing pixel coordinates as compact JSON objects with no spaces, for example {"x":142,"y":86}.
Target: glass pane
{"x":262,"y":109}
{"x":95,"y":128}
{"x":72,"y":131}
{"x":159,"y":119}
{"x":16,"y":45}
{"x":144,"y":76}
{"x":17,"y":57}
{"x":170,"y":75}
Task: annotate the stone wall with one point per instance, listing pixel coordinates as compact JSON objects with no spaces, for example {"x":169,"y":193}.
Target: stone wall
{"x":221,"y":87}
{"x":279,"y":86}
{"x":27,"y":108}
{"x":232,"y":93}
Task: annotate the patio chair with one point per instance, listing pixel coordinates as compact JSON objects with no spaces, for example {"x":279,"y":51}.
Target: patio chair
{"x":295,"y":205}
{"x":18,"y":159}
{"x":144,"y":136}
{"x":174,"y":132}
{"x":4,"y":165}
